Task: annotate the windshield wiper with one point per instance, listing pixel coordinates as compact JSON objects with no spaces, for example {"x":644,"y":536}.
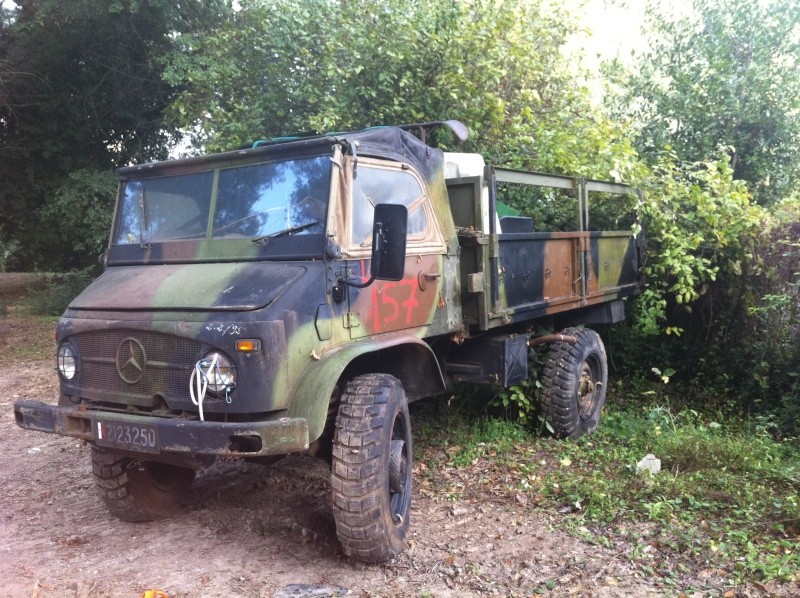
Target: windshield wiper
{"x":264,"y":239}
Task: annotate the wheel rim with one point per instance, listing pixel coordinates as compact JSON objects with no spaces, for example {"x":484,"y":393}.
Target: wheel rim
{"x":589,"y":387}
{"x":397,"y":466}
{"x":399,"y":459}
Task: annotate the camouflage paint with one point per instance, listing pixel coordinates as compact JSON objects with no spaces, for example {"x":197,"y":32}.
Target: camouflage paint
{"x":180,"y":300}
{"x":543,"y":273}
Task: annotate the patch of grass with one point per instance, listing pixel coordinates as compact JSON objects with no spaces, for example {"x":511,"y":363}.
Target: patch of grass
{"x":27,"y":338}
{"x":467,"y":427}
{"x":727,"y":498}
{"x":730,"y":491}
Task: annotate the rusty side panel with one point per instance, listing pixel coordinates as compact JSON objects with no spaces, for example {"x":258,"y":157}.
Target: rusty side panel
{"x":561,"y":269}
{"x":538,"y":270}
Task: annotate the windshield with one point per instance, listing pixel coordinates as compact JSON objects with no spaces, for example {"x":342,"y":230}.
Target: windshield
{"x":276,"y":198}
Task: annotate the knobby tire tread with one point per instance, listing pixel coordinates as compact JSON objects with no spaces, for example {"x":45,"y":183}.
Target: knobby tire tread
{"x":359,"y":475}
{"x":117,"y":485}
{"x":112,"y":480}
{"x":560,"y":374}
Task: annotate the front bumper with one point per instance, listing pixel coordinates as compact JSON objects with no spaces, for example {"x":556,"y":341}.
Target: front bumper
{"x":175,"y":436}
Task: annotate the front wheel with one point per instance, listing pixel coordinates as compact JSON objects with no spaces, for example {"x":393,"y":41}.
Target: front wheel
{"x":574,"y":382}
{"x":138,"y":490}
{"x":371,"y":468}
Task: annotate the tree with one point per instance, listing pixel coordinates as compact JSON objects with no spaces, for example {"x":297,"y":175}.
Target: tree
{"x":725,"y":74}
{"x":82,"y":94}
{"x":279,"y":67}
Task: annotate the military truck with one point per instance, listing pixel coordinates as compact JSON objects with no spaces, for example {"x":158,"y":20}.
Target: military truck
{"x":297,"y":295}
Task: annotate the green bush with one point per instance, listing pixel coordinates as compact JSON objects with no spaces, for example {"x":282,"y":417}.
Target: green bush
{"x":8,"y":249}
{"x":59,"y":290}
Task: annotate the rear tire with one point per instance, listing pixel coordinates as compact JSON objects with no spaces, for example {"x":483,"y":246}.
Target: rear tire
{"x":371,"y":469}
{"x":574,"y":380}
{"x":136,"y":490}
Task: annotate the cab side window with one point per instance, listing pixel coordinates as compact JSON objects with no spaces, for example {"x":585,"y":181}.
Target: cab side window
{"x":377,"y":185}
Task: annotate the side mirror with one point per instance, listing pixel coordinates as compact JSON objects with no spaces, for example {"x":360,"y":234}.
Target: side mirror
{"x":389,"y":242}
{"x":388,"y":260}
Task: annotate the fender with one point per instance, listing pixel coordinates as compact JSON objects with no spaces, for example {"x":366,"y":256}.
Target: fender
{"x":406,"y":357}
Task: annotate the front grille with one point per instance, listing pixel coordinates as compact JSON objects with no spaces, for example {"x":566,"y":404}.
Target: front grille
{"x":168,"y":366}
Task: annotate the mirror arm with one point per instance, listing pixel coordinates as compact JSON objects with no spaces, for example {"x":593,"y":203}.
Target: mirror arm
{"x":377,"y":249}
{"x":356,"y":285}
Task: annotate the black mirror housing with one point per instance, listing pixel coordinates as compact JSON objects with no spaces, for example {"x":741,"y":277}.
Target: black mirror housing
{"x":389,"y":231}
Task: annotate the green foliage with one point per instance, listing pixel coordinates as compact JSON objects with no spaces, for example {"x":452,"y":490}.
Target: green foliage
{"x":723,"y":73}
{"x":81,"y":94}
{"x":274,"y":68}
{"x":8,"y":247}
{"x":78,"y":216}
{"x":716,"y":95}
{"x":762,"y":348}
{"x":521,"y":401}
{"x":59,"y":291}
{"x":699,"y":222}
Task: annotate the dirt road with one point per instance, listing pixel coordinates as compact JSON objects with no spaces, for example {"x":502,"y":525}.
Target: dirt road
{"x":251,"y":530}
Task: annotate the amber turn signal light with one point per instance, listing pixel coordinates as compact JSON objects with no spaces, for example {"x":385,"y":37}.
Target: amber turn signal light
{"x":248,"y":345}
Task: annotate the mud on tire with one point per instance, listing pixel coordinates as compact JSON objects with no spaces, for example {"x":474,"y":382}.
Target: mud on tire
{"x":574,"y":379}
{"x":371,"y":469}
{"x":137,"y":490}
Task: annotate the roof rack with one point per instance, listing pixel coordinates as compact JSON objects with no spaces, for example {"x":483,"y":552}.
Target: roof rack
{"x":422,"y":129}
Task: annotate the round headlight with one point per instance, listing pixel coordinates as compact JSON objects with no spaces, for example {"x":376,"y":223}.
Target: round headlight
{"x":219,"y":372}
{"x":67,"y":361}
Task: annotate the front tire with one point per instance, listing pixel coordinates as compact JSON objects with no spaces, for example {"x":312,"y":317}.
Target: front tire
{"x":371,"y":468}
{"x":574,"y":384}
{"x":136,"y":490}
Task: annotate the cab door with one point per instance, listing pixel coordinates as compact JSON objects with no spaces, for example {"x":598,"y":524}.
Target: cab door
{"x":413,"y":301}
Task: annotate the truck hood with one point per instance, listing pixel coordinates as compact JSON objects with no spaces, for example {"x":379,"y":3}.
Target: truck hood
{"x":200,"y":287}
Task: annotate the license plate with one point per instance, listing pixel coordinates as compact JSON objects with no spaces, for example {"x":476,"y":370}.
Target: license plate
{"x":134,"y":437}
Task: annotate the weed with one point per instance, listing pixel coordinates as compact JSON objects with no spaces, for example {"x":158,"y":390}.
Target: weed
{"x":727,"y":495}
{"x":521,"y":401}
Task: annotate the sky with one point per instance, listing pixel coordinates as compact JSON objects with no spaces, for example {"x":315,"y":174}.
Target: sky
{"x":614,"y":29}
{"x":615,"y":26}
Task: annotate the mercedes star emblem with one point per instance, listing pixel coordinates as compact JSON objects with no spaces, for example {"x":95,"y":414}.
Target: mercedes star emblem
{"x":131,"y":360}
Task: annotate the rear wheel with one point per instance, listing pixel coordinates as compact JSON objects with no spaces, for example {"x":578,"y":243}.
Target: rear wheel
{"x":371,"y":469}
{"x":137,"y":490}
{"x":574,"y":382}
